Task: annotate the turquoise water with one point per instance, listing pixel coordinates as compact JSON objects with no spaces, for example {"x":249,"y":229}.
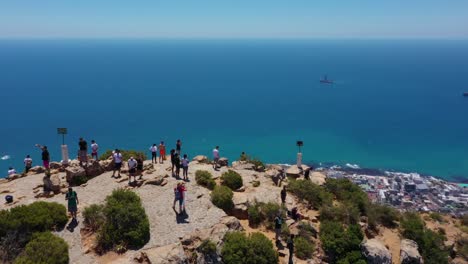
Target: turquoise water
{"x":395,"y":104}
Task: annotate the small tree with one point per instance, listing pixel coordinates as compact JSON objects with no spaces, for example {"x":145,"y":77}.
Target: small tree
{"x":303,"y":248}
{"x":44,"y":248}
{"x":232,"y":180}
{"x":256,"y":249}
{"x":204,"y":178}
{"x":94,"y":216}
{"x":222,"y":197}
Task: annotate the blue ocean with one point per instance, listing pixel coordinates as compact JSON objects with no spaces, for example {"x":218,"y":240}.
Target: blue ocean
{"x":394,"y":105}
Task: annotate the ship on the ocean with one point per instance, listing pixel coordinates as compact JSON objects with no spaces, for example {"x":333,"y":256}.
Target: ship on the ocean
{"x":326,"y":80}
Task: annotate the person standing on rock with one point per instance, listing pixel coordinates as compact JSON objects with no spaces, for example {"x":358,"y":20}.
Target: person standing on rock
{"x":307,"y":174}
{"x":182,"y":191}
{"x":178,"y":146}
{"x":290,"y":245}
{"x":283,"y":195}
{"x":172,"y":161}
{"x":278,"y":226}
{"x":178,"y":196}
{"x":72,"y":199}
{"x":83,"y":153}
{"x":185,"y":163}
{"x":45,"y":156}
{"x":27,"y":163}
{"x":132,"y":166}
{"x":162,"y":152}
{"x":177,"y":165}
{"x":117,"y":157}
{"x":94,"y":150}
{"x":215,"y":157}
{"x":140,"y":160}
{"x":154,"y":152}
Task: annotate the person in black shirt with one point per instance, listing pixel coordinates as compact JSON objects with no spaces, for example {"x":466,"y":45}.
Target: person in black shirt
{"x":178,"y":146}
{"x":83,"y":153}
{"x":45,"y":156}
{"x":307,"y":174}
{"x":283,"y":195}
{"x":290,"y":245}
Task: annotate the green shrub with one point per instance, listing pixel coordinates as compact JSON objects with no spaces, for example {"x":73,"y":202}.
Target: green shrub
{"x":221,"y":196}
{"x":232,"y":179}
{"x":126,"y":154}
{"x":431,"y":244}
{"x":303,"y":248}
{"x":126,"y":224}
{"x":436,"y":217}
{"x":315,"y":195}
{"x":265,"y":212}
{"x":44,"y":248}
{"x":346,"y":213}
{"x":207,"y":247}
{"x":254,"y":215}
{"x":204,"y":178}
{"x":462,"y":247}
{"x":340,"y":243}
{"x":348,"y":192}
{"x":306,"y":231}
{"x":94,"y":216}
{"x":255,"y":249}
{"x":382,"y":214}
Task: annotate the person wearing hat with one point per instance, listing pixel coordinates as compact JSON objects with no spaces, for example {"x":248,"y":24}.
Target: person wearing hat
{"x":132,"y":166}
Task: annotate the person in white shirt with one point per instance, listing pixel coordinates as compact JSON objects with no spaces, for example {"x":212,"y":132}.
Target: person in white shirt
{"x":117,"y":157}
{"x":94,"y":150}
{"x":132,"y":166}
{"x":185,"y":162}
{"x":154,"y":151}
{"x":11,"y":171}
{"x":215,"y":157}
{"x":27,"y":163}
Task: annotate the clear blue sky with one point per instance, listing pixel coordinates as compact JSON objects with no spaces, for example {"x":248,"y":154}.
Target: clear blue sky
{"x":234,"y":18}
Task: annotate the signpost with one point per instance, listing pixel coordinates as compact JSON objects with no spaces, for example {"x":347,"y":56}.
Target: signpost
{"x":63,"y":131}
{"x":299,"y":144}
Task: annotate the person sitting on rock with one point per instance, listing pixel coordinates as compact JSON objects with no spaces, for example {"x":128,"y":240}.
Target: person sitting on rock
{"x":27,"y":163}
{"x":11,"y":171}
{"x":132,"y":167}
{"x":295,"y":215}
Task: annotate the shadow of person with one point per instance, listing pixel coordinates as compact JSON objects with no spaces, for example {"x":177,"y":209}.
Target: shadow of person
{"x":72,"y":225}
{"x":182,"y":217}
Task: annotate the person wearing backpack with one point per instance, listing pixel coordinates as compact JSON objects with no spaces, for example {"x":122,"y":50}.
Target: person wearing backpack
{"x":278,"y":225}
{"x":27,"y":163}
{"x":72,"y":199}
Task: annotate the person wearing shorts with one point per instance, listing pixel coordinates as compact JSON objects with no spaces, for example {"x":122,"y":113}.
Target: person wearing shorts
{"x":215,"y":157}
{"x":185,"y":163}
{"x":83,"y":153}
{"x":162,"y":152}
{"x":72,"y":199}
{"x":117,"y":157}
{"x":177,"y":164}
{"x":132,"y":167}
{"x":154,"y":151}
{"x":94,"y":150}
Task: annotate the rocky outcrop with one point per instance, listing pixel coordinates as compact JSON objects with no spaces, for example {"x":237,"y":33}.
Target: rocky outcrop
{"x":107,"y":165}
{"x":74,"y":171}
{"x":241,"y":206}
{"x":242,"y":165}
{"x":318,"y":178}
{"x":201,"y":159}
{"x":295,"y":171}
{"x":409,"y":253}
{"x":52,"y":183}
{"x":36,"y":170}
{"x":169,"y":254}
{"x":55,"y":166}
{"x":375,"y":252}
{"x":158,"y":180}
{"x":93,"y":169}
{"x":223,"y":162}
{"x":14,"y":176}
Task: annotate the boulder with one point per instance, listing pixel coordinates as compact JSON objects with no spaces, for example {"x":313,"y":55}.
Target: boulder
{"x":375,"y":252}
{"x":14,"y":176}
{"x":158,"y":180}
{"x":93,"y":169}
{"x":55,"y":165}
{"x":73,"y":171}
{"x":241,"y":205}
{"x":36,"y":170}
{"x":52,"y":183}
{"x":200,"y":159}
{"x":169,"y":254}
{"x":295,"y":171}
{"x":242,"y":165}
{"x":318,"y":178}
{"x":107,"y":165}
{"x":409,"y":253}
{"x":148,"y":166}
{"x":74,"y":163}
{"x":223,"y":162}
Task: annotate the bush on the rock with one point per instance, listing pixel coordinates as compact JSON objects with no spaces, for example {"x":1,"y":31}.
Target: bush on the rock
{"x":94,"y":216}
{"x":204,"y":178}
{"x":232,"y":180}
{"x":126,"y":224}
{"x":341,"y":245}
{"x":382,"y":214}
{"x":264,"y":212}
{"x":207,"y":247}
{"x":238,"y":248}
{"x":303,"y":248}
{"x":44,"y":248}
{"x":315,"y":195}
{"x":221,"y":196}
{"x":126,"y":154}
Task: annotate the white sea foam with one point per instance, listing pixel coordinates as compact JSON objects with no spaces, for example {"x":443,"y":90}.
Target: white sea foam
{"x":353,"y":166}
{"x":6,"y":157}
